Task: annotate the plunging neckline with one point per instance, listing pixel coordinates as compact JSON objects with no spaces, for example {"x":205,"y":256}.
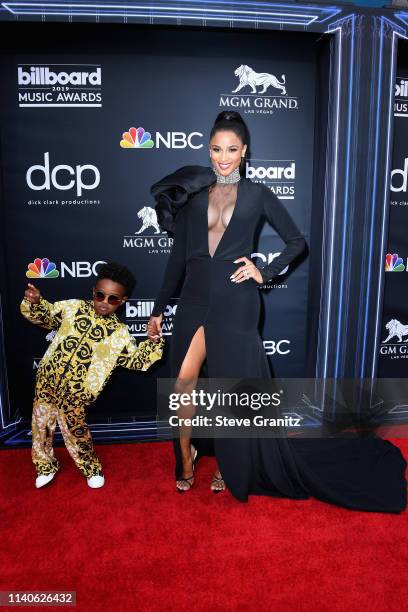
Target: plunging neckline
{"x":229,"y":223}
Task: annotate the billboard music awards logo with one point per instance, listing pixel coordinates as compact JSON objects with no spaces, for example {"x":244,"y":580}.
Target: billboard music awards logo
{"x":258,"y":93}
{"x":278,"y":175}
{"x":44,"y":268}
{"x":138,"y":312}
{"x":148,"y":235}
{"x":395,"y":345}
{"x":138,"y":138}
{"x":59,"y":85}
{"x":75,"y":180}
{"x":401,"y":97}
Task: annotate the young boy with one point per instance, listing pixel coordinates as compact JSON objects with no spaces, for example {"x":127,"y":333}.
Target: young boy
{"x":89,"y":343}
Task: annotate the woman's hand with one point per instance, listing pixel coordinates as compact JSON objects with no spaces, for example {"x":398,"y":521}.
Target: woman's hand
{"x":247,"y":271}
{"x":154,"y":331}
{"x":32,"y":294}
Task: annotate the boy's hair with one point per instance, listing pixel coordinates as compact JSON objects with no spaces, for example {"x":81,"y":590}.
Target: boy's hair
{"x":118,"y":274}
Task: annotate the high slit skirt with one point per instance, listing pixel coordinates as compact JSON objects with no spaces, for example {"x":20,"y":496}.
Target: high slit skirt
{"x":357,"y":473}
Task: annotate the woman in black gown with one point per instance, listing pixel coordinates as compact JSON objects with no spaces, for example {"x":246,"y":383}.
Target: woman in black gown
{"x":214,"y":214}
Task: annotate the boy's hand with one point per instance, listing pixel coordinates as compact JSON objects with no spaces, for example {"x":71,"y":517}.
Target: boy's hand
{"x":154,"y":331}
{"x":32,"y":294}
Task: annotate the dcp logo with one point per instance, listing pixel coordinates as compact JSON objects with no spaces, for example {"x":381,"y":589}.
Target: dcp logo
{"x":401,"y":177}
{"x":60,"y":177}
{"x":267,"y":259}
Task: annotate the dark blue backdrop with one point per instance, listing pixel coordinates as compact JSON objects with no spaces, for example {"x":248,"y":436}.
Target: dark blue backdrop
{"x":74,"y":195}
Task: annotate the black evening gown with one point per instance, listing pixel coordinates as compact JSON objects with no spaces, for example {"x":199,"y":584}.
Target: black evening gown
{"x":361,"y":473}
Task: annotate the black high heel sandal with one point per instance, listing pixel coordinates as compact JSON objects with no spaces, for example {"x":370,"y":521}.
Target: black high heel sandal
{"x":190,"y":484}
{"x":217,"y":479}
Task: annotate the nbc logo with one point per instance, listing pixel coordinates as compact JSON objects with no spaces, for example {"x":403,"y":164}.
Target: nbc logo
{"x":136,"y":139}
{"x":42,"y":268}
{"x":393,"y":263}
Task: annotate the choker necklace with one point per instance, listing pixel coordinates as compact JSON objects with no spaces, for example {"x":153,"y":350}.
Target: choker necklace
{"x":234,"y":177}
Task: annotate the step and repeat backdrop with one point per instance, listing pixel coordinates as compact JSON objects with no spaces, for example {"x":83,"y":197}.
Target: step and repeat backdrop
{"x":89,"y":120}
{"x":393,"y":359}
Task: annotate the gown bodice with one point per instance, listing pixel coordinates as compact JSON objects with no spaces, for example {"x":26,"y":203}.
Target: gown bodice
{"x":234,"y":211}
{"x":222,"y":199}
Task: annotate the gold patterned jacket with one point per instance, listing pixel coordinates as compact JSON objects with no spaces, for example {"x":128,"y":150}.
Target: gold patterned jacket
{"x":86,"y":347}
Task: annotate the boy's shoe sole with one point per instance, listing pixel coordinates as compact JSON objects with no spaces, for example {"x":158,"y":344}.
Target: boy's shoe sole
{"x":95,"y":482}
{"x":43,"y":479}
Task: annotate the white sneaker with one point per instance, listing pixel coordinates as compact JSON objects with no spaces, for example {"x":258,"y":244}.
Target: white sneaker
{"x":96,"y":482}
{"x":43,"y":479}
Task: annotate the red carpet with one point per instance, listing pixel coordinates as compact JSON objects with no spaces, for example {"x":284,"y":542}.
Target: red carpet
{"x":137,"y":544}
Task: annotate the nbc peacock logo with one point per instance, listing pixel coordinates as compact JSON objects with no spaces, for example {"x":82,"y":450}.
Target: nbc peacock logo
{"x":136,"y":138}
{"x":42,"y":268}
{"x":393,"y":263}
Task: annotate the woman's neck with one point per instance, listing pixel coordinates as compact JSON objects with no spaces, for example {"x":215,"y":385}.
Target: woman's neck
{"x":232,"y":177}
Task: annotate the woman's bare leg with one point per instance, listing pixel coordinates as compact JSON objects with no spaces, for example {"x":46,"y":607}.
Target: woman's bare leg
{"x":185,"y":383}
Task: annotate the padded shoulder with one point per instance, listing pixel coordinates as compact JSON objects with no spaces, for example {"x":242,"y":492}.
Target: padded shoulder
{"x":173,"y":191}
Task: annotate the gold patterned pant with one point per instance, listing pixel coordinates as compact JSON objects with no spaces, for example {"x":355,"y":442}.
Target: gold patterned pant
{"x":69,"y":412}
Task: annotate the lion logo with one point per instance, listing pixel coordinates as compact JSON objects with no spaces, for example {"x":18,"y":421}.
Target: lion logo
{"x":149,"y":219}
{"x":395,"y":328}
{"x":248,"y":76}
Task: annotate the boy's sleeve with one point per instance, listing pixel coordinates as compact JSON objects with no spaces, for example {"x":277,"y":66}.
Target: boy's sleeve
{"x":140,"y":356}
{"x":44,"y":313}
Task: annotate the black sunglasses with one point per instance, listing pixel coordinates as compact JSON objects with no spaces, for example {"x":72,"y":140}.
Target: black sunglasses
{"x":113,"y":300}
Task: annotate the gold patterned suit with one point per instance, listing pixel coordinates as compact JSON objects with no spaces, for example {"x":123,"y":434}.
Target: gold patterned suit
{"x":78,"y":363}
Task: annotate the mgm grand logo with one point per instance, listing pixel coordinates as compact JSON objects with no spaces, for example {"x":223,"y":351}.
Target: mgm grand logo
{"x":258,"y":92}
{"x":148,"y":235}
{"x":395,"y":345}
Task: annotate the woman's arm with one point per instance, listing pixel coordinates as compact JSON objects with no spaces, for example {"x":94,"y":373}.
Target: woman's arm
{"x":286,"y":228}
{"x":176,"y":264}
